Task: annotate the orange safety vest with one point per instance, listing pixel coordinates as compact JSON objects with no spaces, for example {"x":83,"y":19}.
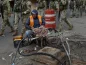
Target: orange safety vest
{"x":32,"y":20}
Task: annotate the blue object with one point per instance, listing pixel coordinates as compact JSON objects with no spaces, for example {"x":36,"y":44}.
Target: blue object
{"x":28,"y":33}
{"x":34,"y":12}
{"x":13,"y":64}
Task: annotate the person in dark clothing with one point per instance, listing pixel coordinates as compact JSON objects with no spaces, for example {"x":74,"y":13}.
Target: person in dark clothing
{"x":1,"y":8}
{"x":48,"y":1}
{"x":12,"y":4}
{"x":34,"y":21}
{"x":72,"y":9}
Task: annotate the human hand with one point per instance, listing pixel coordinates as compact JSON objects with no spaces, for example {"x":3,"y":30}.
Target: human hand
{"x":32,"y":28}
{"x":42,"y":26}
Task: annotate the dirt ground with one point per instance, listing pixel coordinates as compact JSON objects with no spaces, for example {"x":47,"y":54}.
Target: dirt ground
{"x":77,"y":45}
{"x":78,"y":49}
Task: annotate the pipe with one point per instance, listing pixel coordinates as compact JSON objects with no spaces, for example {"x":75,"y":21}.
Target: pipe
{"x":67,"y":51}
{"x":31,"y":54}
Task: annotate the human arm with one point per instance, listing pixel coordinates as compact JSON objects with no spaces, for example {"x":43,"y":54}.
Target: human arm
{"x":43,"y":22}
{"x":27,"y":24}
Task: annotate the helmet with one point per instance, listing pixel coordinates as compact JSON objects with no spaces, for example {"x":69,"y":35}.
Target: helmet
{"x":34,"y":12}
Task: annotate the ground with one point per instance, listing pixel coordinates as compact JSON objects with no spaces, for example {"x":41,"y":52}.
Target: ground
{"x":78,"y":52}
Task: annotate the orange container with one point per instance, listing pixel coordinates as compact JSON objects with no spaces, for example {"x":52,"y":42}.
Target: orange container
{"x":50,"y":18}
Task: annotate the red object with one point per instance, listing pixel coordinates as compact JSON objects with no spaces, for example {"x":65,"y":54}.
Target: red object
{"x":50,"y":18}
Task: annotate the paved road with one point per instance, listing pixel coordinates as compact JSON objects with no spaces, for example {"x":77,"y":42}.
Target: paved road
{"x":79,"y":25}
{"x":6,"y":43}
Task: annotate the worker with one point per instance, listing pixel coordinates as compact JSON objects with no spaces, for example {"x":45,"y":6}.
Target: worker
{"x":34,"y":21}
